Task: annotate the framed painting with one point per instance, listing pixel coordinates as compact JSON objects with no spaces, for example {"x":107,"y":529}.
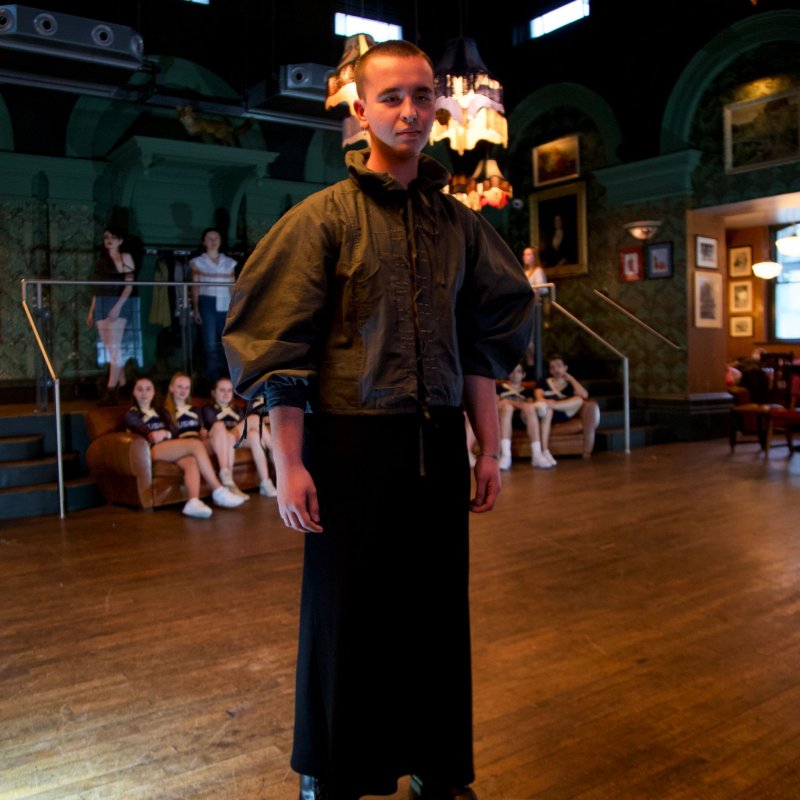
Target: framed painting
{"x":740,"y":297}
{"x":556,"y":161}
{"x":763,"y":132}
{"x":740,"y":262}
{"x":707,"y":300}
{"x":631,"y":264}
{"x":659,"y":260}
{"x":558,"y":228}
{"x":706,"y":252}
{"x":741,"y":326}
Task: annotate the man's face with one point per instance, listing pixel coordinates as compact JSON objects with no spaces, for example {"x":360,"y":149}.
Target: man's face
{"x":397,"y":105}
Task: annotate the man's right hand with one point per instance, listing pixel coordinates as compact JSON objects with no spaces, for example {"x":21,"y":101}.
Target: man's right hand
{"x":297,"y":500}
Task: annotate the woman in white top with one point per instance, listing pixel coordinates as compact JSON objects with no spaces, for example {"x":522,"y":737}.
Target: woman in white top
{"x":211,"y":301}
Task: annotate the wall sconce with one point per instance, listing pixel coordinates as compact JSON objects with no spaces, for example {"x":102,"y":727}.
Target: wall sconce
{"x":789,"y":246}
{"x":767,"y":269}
{"x":643,"y":228}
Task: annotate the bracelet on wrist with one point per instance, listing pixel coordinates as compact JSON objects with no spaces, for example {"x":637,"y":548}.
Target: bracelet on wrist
{"x":495,"y":456}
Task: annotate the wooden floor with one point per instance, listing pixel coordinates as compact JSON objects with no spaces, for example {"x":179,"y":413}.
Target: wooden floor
{"x":636,"y":624}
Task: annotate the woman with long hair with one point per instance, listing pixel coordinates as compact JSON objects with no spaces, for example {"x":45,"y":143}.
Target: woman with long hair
{"x":110,"y":310}
{"x":152,"y":421}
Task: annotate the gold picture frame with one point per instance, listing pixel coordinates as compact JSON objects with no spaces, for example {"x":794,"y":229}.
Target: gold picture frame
{"x":558,"y":229}
{"x":556,"y":161}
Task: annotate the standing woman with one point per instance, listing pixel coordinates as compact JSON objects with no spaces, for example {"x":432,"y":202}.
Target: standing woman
{"x":211,"y":302}
{"x":110,"y":310}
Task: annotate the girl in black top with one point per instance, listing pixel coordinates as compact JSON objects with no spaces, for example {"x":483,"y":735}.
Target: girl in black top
{"x":225,"y":424}
{"x":154,"y":424}
{"x":109,"y":310}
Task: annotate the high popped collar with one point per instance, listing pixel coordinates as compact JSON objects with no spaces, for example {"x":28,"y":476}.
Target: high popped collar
{"x":431,"y":175}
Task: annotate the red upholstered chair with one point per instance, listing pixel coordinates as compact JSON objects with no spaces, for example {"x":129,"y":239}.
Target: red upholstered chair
{"x":786,"y":421}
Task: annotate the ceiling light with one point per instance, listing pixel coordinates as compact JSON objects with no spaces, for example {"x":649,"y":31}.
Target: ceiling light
{"x":789,"y":246}
{"x":767,"y":269}
{"x":643,"y":228}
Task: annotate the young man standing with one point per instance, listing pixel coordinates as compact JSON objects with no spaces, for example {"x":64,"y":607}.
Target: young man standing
{"x":381,"y":305}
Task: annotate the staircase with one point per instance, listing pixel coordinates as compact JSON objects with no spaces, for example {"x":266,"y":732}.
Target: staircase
{"x":610,"y":434}
{"x":29,"y":466}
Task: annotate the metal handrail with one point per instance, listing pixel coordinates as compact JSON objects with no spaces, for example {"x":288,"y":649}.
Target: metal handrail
{"x":630,"y":315}
{"x":626,"y":399}
{"x":56,"y":399}
{"x":39,"y":283}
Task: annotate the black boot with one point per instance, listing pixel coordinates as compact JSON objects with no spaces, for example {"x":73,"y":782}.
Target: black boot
{"x":312,"y":788}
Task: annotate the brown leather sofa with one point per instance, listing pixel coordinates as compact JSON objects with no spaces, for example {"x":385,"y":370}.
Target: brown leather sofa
{"x":573,"y":437}
{"x":120,"y":464}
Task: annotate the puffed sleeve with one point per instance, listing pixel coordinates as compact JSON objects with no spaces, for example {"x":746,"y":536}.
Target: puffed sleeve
{"x":279,"y":306}
{"x":133,"y":422}
{"x":495,"y":305}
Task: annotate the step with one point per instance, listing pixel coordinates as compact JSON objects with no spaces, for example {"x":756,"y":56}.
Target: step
{"x":33,"y":471}
{"x":16,"y":448}
{"x":615,"y":418}
{"x":613,"y":439}
{"x":34,"y":501}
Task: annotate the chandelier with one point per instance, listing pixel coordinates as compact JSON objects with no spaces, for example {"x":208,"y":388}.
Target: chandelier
{"x":469,"y":100}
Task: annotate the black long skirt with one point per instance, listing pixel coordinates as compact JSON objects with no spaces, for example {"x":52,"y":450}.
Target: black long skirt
{"x":383,"y":673}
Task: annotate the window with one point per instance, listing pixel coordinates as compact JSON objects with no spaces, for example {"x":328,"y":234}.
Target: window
{"x":349,"y":25}
{"x":787,"y":293}
{"x":200,"y":2}
{"x":559,"y":17}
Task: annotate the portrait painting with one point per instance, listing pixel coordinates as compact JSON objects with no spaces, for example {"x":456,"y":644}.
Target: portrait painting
{"x":558,"y":228}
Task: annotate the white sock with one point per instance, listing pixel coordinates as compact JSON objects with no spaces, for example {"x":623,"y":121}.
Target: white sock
{"x":537,"y":448}
{"x":505,"y":447}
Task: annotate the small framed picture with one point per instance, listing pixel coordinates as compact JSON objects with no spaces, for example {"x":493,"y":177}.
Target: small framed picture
{"x":556,"y":161}
{"x":740,"y":262}
{"x":706,"y":252}
{"x":659,"y":260}
{"x":741,"y":326}
{"x":707,"y":300}
{"x":740,"y":297}
{"x":631,"y":264}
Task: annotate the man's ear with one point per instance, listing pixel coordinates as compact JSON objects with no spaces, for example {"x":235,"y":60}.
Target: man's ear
{"x":359,"y":108}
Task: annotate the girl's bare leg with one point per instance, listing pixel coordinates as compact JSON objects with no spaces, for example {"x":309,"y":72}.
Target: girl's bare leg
{"x":253,"y":441}
{"x":175,"y":449}
{"x":115,"y":363}
{"x":221,"y":445}
{"x":505,"y":412}
{"x":191,"y":476}
{"x":532,"y":424}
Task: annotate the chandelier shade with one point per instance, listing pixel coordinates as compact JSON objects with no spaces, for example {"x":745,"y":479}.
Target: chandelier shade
{"x":342,"y":86}
{"x":469,"y":100}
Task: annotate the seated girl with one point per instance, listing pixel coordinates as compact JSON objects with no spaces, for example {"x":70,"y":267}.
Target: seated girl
{"x":225,"y":424}
{"x":563,"y":394}
{"x":513,"y":395}
{"x":154,"y":423}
